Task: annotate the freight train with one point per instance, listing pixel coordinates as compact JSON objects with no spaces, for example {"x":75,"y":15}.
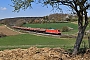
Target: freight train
{"x":39,"y":30}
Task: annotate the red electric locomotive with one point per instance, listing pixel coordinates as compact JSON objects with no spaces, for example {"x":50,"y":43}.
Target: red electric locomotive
{"x":53,"y":31}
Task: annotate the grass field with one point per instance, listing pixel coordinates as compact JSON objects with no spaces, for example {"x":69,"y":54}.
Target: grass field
{"x":55,"y":26}
{"x":27,"y":40}
{"x":52,"y":25}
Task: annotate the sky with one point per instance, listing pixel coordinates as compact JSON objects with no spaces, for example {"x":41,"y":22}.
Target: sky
{"x":6,"y":11}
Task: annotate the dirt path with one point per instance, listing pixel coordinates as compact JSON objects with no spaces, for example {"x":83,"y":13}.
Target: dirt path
{"x":7,"y":31}
{"x":75,"y":22}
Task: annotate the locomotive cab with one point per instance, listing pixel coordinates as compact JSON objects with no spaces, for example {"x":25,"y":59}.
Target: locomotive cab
{"x":53,"y":31}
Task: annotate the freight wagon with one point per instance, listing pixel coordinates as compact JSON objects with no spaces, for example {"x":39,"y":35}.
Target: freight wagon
{"x":39,"y":30}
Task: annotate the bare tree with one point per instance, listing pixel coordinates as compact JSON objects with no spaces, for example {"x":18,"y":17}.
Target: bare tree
{"x":79,"y":7}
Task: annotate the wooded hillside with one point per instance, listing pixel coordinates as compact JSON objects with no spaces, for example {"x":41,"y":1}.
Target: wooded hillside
{"x":52,"y":18}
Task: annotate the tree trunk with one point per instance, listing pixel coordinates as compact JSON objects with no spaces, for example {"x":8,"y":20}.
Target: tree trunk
{"x":89,"y":40}
{"x":82,"y":24}
{"x":78,"y":42}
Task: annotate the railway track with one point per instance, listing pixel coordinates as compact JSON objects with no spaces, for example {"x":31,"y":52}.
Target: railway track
{"x":43,"y":34}
{"x":52,"y":35}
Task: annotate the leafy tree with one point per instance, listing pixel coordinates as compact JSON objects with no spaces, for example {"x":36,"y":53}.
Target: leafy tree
{"x":79,"y":7}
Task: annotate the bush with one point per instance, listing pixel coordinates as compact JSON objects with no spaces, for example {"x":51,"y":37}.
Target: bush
{"x":65,"y":29}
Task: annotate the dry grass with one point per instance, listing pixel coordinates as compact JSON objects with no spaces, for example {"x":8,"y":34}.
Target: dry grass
{"x":7,"y":31}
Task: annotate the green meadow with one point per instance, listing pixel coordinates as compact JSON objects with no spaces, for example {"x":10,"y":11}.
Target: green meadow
{"x":55,"y":26}
{"x":28,"y":40}
{"x":52,"y":25}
